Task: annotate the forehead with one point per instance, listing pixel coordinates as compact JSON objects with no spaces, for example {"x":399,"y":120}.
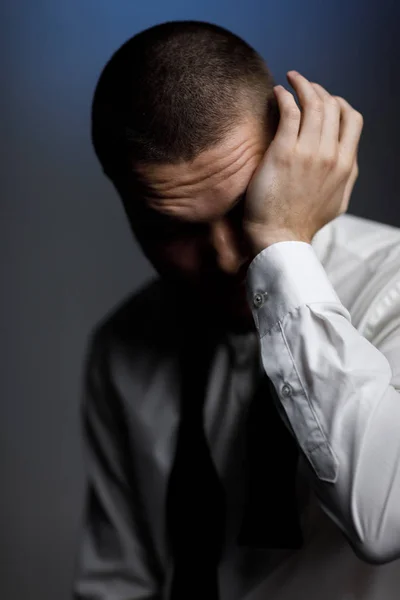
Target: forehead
{"x":206,"y":187}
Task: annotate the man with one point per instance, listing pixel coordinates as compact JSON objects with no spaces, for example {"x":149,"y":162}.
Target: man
{"x":242,"y":411}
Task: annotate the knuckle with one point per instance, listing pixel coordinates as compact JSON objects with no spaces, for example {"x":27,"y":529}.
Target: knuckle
{"x":342,"y":101}
{"x":345,"y":167}
{"x":291,"y":110}
{"x":282,"y":157}
{"x":305,"y":157}
{"x":316,"y":104}
{"x":358,"y":116}
{"x":332,"y":101}
{"x":329,"y":161}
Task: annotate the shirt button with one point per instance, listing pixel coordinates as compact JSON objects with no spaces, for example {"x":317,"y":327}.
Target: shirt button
{"x":286,"y":390}
{"x":259,"y":299}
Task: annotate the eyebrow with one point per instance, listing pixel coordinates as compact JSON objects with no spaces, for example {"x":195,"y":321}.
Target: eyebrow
{"x":166,"y":218}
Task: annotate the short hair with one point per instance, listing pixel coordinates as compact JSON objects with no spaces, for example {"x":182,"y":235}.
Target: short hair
{"x":175,"y":90}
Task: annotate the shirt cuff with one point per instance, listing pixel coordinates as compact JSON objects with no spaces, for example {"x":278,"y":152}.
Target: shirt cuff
{"x":283,"y":277}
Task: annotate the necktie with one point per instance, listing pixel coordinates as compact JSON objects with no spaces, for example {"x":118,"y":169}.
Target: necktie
{"x":195,"y":506}
{"x":271,"y":517}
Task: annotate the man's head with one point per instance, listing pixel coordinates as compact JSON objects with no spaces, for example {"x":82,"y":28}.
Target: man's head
{"x":182,"y":115}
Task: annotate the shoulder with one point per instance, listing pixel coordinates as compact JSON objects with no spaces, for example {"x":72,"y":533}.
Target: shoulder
{"x":142,"y":329}
{"x":366,"y":244}
{"x":364,"y":237}
{"x":361,"y":258}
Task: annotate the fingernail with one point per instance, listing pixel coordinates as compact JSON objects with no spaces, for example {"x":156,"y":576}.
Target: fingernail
{"x":292,"y":73}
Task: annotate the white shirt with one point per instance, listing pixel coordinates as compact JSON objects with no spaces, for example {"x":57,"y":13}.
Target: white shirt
{"x":327,"y":318}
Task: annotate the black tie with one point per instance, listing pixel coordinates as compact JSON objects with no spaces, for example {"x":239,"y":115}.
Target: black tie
{"x":196,"y":510}
{"x":195,"y":497}
{"x":271,"y":516}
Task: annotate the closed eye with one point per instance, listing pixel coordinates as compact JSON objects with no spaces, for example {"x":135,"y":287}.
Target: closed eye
{"x":165,"y":226}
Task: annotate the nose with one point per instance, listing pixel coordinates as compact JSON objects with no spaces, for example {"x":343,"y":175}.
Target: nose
{"x":229,"y":248}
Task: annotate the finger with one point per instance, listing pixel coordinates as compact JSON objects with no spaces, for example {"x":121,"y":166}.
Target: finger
{"x":289,"y":122}
{"x":312,"y":112}
{"x":350,"y":130}
{"x":329,"y":141}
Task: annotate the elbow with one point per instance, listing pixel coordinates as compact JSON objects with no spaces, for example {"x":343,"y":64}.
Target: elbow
{"x":375,"y":553}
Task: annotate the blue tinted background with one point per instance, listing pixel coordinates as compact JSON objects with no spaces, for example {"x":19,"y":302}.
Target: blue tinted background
{"x":67,"y":255}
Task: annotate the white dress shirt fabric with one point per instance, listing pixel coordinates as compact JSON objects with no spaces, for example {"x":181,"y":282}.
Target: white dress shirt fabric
{"x":327,"y":318}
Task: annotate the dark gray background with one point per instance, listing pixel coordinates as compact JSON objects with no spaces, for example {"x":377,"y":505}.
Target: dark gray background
{"x":67,"y":255}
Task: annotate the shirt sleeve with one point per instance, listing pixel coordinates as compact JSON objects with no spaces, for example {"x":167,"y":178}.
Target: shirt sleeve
{"x":115,"y":560}
{"x":337,"y":392}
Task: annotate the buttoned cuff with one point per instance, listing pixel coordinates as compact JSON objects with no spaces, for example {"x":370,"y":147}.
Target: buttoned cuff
{"x":283,"y":277}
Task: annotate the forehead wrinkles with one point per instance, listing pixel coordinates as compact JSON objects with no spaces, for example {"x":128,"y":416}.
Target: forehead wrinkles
{"x":212,"y":199}
{"x":222,"y":187}
{"x":208,"y":168}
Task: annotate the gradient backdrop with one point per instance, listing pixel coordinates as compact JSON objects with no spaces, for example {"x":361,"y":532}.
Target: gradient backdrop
{"x":67,"y":255}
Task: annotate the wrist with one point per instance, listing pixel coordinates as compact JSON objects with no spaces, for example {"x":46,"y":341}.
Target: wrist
{"x":259,"y":240}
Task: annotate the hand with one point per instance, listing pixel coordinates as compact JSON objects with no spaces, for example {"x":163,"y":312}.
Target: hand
{"x":306,"y":176}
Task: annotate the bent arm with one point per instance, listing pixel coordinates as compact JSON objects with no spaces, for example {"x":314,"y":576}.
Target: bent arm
{"x":338,"y":393}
